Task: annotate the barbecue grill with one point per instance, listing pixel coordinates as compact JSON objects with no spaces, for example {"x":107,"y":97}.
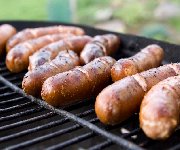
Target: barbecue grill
{"x":30,"y":123}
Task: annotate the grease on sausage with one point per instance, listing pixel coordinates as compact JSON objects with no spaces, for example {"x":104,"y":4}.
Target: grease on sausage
{"x":101,"y":45}
{"x":78,"y":83}
{"x":33,"y":80}
{"x":120,"y":100}
{"x":17,"y":59}
{"x":149,"y":57}
{"x":160,"y":109}
{"x":6,"y":32}
{"x":49,"y":52}
{"x":31,"y":33}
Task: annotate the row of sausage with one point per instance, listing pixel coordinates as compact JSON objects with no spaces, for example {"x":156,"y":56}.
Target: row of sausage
{"x":60,"y":76}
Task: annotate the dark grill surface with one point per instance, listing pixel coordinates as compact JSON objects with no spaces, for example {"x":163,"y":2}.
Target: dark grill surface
{"x":30,"y":123}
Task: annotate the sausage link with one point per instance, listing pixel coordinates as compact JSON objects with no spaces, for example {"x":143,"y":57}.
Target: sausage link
{"x":17,"y":59}
{"x":101,"y":45}
{"x":31,"y":33}
{"x":120,"y":100}
{"x":160,"y":109}
{"x":149,"y":57}
{"x":79,"y":83}
{"x":33,"y":80}
{"x":6,"y":32}
{"x":49,"y":52}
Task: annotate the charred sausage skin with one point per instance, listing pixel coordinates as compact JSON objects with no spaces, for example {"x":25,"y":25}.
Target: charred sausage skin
{"x":33,"y":80}
{"x":49,"y":52}
{"x":78,"y":83}
{"x":149,"y":57}
{"x":160,"y":109}
{"x":101,"y":45}
{"x":17,"y":58}
{"x":31,"y":33}
{"x":120,"y":100}
{"x":6,"y":32}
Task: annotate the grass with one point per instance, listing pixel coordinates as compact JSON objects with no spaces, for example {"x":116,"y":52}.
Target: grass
{"x":23,"y":10}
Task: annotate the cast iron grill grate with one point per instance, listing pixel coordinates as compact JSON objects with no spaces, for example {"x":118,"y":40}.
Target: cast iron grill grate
{"x":30,"y":123}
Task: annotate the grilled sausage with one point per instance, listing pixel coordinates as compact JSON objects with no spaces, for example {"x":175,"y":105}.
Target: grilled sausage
{"x":49,"y":52}
{"x":33,"y":80}
{"x":160,"y":109}
{"x":78,"y":83}
{"x":149,"y":57}
{"x":101,"y":45}
{"x":120,"y":100}
{"x":6,"y":31}
{"x":31,"y":33}
{"x":17,"y":59}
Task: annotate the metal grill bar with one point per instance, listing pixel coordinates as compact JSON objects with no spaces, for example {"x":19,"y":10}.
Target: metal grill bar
{"x":11,"y":100}
{"x":19,"y":83}
{"x":38,"y":128}
{"x":101,"y":145}
{"x":33,"y":110}
{"x":71,"y":141}
{"x":13,"y":125}
{"x":176,"y":147}
{"x":108,"y":142}
{"x":118,"y":140}
{"x":3,"y":88}
{"x":15,"y":107}
{"x":7,"y":94}
{"x":3,"y":68}
{"x":48,"y":136}
{"x":15,"y":77}
{"x":5,"y":74}
{"x":8,"y":73}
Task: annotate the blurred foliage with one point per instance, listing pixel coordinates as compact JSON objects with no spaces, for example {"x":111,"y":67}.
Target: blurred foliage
{"x":136,"y":15}
{"x":23,"y":10}
{"x":157,"y":31}
{"x":86,"y":10}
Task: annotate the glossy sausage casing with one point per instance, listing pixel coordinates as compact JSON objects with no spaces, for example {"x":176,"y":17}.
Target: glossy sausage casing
{"x":101,"y":45}
{"x":50,"y":51}
{"x":6,"y":32}
{"x":17,"y":59}
{"x":122,"y":99}
{"x":149,"y":57}
{"x":33,"y":80}
{"x":31,"y":33}
{"x":78,"y":83}
{"x":160,"y":109}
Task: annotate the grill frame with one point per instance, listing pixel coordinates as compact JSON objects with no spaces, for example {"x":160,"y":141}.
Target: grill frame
{"x":130,"y":45}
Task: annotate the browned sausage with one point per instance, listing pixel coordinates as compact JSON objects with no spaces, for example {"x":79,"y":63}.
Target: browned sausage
{"x":17,"y":59}
{"x":101,"y":45}
{"x":6,"y":32}
{"x":33,"y":80}
{"x":160,"y":109}
{"x":31,"y":33}
{"x":49,"y":52}
{"x":79,"y":83}
{"x":149,"y":57}
{"x":120,"y":100}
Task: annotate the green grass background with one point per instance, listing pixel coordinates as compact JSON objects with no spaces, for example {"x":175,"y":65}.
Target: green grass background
{"x":23,"y":10}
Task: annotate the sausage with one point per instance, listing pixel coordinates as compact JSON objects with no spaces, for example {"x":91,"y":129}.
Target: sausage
{"x":101,"y":45}
{"x":17,"y":59}
{"x":149,"y":57}
{"x":31,"y":33}
{"x":122,"y":99}
{"x":160,"y":109}
{"x":49,"y":52}
{"x":6,"y":31}
{"x":78,"y":83}
{"x":33,"y":80}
